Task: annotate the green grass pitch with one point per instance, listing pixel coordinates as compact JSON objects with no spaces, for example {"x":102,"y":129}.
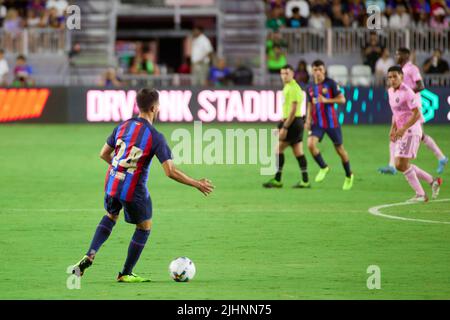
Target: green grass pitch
{"x":247,"y":242}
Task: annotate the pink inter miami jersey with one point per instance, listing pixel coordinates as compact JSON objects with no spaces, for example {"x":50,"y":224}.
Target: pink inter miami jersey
{"x":411,"y":74}
{"x":402,"y":102}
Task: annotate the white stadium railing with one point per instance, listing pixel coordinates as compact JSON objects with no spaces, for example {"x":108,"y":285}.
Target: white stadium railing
{"x":34,"y":41}
{"x":351,"y":40}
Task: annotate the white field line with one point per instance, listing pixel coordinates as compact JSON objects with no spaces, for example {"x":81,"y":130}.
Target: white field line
{"x":376,"y":211}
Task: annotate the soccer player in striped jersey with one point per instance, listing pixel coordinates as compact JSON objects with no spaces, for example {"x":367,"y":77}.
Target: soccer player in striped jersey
{"x":129,"y":151}
{"x":322,"y":119}
{"x":413,"y":79}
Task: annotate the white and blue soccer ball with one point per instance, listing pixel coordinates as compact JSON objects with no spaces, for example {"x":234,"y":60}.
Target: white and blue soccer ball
{"x":182,"y":269}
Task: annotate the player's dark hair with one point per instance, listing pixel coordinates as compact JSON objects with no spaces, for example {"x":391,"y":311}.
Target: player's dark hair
{"x":404,"y":50}
{"x":295,"y":10}
{"x":288,"y":66}
{"x":21,"y":57}
{"x":318,"y":63}
{"x":146,"y":98}
{"x":395,"y":69}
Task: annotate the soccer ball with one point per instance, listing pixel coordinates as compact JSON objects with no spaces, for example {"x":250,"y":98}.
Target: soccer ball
{"x":182,"y":269}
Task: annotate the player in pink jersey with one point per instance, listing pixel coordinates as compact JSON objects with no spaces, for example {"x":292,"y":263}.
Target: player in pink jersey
{"x":405,"y":134}
{"x":413,"y":79}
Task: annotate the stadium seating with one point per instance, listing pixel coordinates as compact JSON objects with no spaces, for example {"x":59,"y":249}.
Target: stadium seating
{"x":361,"y":75}
{"x":339,"y":73}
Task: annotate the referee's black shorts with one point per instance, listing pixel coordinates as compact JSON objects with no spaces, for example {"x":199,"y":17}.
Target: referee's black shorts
{"x":295,"y":131}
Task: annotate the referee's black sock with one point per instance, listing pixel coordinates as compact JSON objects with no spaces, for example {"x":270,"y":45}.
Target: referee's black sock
{"x":348,"y":172}
{"x":280,"y":164}
{"x":303,"y":167}
{"x":320,"y":161}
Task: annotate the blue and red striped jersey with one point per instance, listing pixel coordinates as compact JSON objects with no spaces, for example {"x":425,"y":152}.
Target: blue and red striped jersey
{"x":135,"y":142}
{"x":324,"y":115}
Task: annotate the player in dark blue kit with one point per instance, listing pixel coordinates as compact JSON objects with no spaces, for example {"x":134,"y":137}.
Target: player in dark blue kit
{"x":129,"y":151}
{"x":322,"y":119}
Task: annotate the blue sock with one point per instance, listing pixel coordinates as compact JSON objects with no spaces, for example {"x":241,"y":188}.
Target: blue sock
{"x":102,"y":233}
{"x":135,"y":248}
{"x":320,"y":161}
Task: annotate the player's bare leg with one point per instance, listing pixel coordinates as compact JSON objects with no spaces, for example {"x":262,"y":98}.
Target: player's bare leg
{"x":315,"y":152}
{"x":349,"y":177}
{"x":403,"y":165}
{"x":102,"y":233}
{"x":432,"y":145}
{"x":297,"y":150}
{"x":135,"y":249}
{"x":276,"y":181}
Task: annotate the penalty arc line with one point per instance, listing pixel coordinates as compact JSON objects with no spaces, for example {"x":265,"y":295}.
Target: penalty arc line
{"x":376,"y":211}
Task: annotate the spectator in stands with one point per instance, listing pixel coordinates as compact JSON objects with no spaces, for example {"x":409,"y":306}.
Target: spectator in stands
{"x":391,"y":6}
{"x":422,"y":21}
{"x":318,"y":20}
{"x":200,"y":56}
{"x":59,"y":5}
{"x":242,"y":75}
{"x":297,"y":21}
{"x":356,"y":9}
{"x":302,"y":5}
{"x":109,"y":79}
{"x":420,"y":7}
{"x":149,"y":64}
{"x":336,"y":14}
{"x":301,"y":74}
{"x":435,"y":64}
{"x":219,"y":74}
{"x":379,"y":3}
{"x":276,"y":3}
{"x":275,"y":39}
{"x":4,"y":69}
{"x":372,"y":51}
{"x":276,"y":59}
{"x":22,"y":73}
{"x":400,"y":19}
{"x":54,"y":21}
{"x":185,"y":67}
{"x":3,"y":11}
{"x":73,"y":53}
{"x":383,"y":64}
{"x":439,"y":21}
{"x":13,"y":24}
{"x":277,"y":19}
{"x":33,"y":20}
{"x":38,"y":6}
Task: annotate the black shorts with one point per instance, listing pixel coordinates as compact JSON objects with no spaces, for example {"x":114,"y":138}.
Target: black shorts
{"x":295,"y":131}
{"x":137,"y":211}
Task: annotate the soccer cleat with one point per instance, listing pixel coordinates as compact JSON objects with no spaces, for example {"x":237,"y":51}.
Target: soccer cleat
{"x":348,"y":183}
{"x":387,"y":170}
{"x":442,"y":164}
{"x":302,"y":185}
{"x":322,"y":174}
{"x":131,"y":278}
{"x":418,"y":199}
{"x":82,"y":265}
{"x":273,"y":183}
{"x":435,"y":187}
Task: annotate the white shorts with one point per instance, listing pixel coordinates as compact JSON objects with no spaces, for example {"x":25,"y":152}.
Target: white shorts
{"x":407,"y":146}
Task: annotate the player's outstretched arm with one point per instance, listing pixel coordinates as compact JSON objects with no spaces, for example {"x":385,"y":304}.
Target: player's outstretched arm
{"x":106,"y":153}
{"x":203,"y":185}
